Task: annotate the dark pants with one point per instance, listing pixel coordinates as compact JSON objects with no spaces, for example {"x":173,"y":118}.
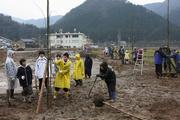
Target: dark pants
{"x":40,"y":83}
{"x":111,"y":89}
{"x":79,"y":82}
{"x":27,"y":91}
{"x":11,"y":93}
{"x":159,"y":70}
{"x":167,"y":65}
{"x":87,"y":72}
{"x":122,"y":59}
{"x":178,"y":67}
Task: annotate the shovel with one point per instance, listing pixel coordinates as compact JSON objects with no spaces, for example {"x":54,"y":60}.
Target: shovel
{"x":92,"y":87}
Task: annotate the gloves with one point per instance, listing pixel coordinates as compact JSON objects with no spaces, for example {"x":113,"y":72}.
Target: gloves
{"x":98,"y":75}
{"x":60,"y":71}
{"x":23,"y":77}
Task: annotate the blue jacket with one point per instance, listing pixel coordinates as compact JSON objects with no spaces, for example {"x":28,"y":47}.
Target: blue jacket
{"x":158,"y":57}
{"x":176,"y":58}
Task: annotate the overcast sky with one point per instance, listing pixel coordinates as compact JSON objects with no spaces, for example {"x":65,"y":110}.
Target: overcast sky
{"x":27,"y":9}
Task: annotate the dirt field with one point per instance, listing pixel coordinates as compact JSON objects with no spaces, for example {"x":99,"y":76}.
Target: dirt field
{"x":144,"y":96}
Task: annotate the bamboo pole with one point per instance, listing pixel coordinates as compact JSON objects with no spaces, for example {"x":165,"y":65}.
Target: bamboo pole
{"x":168,"y":25}
{"x":125,"y":112}
{"x":41,"y":91}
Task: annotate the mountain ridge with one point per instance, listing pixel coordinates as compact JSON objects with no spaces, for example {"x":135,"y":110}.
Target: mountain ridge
{"x":40,"y":22}
{"x":103,"y":19}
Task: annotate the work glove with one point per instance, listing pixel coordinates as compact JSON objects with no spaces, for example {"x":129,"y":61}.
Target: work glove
{"x":98,"y":75}
{"x":23,"y":77}
{"x":60,"y":71}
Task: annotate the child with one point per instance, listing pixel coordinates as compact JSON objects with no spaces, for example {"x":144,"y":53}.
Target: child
{"x":24,"y":74}
{"x":109,"y":76}
{"x":40,"y":68}
{"x":78,"y":70}
{"x":62,"y":80}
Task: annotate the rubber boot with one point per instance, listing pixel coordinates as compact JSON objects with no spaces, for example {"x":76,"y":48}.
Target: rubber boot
{"x":67,"y":95}
{"x":55,"y":94}
{"x":80,"y":82}
{"x":12,"y":94}
{"x":77,"y":83}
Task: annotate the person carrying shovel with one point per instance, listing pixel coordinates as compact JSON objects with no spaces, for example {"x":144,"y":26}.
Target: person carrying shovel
{"x":109,"y":76}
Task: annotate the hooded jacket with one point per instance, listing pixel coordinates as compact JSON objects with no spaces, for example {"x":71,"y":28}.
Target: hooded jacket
{"x":63,"y":76}
{"x":78,"y":68}
{"x":10,"y":66}
{"x":40,"y":67}
{"x":27,"y":73}
{"x":126,"y":55}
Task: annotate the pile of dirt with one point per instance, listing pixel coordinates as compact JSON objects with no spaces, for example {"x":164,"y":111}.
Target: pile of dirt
{"x":166,"y":109}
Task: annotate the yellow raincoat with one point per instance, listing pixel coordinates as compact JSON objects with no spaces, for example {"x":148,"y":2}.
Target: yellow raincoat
{"x":78,"y":68}
{"x":62,"y":79}
{"x":127,"y":55}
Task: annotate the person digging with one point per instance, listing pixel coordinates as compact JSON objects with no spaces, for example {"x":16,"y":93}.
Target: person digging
{"x":109,"y":76}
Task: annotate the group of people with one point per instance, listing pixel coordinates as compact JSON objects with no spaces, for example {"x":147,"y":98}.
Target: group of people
{"x":62,"y":67}
{"x":82,"y":69}
{"x":162,"y":59}
{"x":121,"y":53}
{"x":23,"y":73}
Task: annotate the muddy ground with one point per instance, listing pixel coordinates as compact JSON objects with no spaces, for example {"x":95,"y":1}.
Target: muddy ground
{"x":144,"y":96}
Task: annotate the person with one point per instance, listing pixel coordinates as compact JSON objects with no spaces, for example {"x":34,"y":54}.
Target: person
{"x":78,"y":73}
{"x":126,"y":57}
{"x":62,"y":80}
{"x":24,"y":74}
{"x":134,"y":54}
{"x":88,"y":66}
{"x":167,"y":63}
{"x":109,"y":76}
{"x":111,"y":52}
{"x":158,"y":60}
{"x":40,"y":67}
{"x":122,"y":54}
{"x":11,"y":71}
{"x":176,"y":57}
{"x":106,"y":51}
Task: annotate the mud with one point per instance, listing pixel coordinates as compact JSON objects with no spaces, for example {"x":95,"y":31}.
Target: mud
{"x":145,"y":96}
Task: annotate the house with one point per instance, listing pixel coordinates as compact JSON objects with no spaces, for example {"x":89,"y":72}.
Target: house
{"x":68,"y":40}
{"x":29,"y":43}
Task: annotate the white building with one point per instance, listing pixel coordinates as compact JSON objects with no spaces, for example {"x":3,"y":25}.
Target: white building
{"x":68,"y":40}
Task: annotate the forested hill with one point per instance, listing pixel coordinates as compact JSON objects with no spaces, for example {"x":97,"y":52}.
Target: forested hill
{"x":15,"y":31}
{"x":102,"y":20}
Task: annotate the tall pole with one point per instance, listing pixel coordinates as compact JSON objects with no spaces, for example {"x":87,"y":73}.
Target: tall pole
{"x":48,"y":52}
{"x":168,"y":28}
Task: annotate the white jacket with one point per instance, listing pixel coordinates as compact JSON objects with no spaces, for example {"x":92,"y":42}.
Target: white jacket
{"x":40,"y":67}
